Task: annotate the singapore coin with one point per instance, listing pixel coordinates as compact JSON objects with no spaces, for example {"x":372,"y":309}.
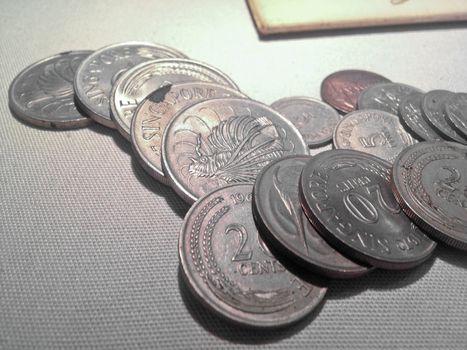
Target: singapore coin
{"x":372,"y":131}
{"x":223,"y":141}
{"x":284,"y":225}
{"x":97,"y":73}
{"x":456,"y":113}
{"x":433,"y":112}
{"x":157,"y":110}
{"x":385,"y":96}
{"x":430,"y":183}
{"x":314,"y":119}
{"x":42,"y":94}
{"x":341,"y":89}
{"x":137,"y":83}
{"x":410,"y":116}
{"x":348,"y":197}
{"x":231,"y":271}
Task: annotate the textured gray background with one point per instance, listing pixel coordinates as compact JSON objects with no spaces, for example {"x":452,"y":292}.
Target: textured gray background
{"x":88,"y":241}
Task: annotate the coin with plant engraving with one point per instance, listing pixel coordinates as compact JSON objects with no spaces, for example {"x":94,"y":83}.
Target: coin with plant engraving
{"x":347,"y":195}
{"x":42,"y":94}
{"x":433,"y":112}
{"x":98,"y":72}
{"x":232,"y":272}
{"x":372,"y":131}
{"x":314,"y":119}
{"x":430,"y":183}
{"x":455,"y":110}
{"x":284,"y":225}
{"x":223,"y":141}
{"x":341,"y":89}
{"x":157,"y":110}
{"x":137,"y":83}
{"x":410,"y":116}
{"x":385,"y":96}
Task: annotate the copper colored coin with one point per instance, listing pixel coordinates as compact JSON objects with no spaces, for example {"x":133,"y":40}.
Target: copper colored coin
{"x":231,"y":271}
{"x":222,"y":141}
{"x":430,"y":183}
{"x":157,"y":110}
{"x":314,"y":119}
{"x":341,"y":89}
{"x":284,"y":225}
{"x":347,"y":195}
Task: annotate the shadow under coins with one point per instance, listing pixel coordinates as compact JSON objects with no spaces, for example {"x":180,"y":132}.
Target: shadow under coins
{"x":233,"y":332}
{"x":119,"y":140}
{"x":452,"y":255}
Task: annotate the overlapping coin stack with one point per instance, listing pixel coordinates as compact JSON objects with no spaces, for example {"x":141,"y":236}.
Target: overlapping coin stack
{"x":269,"y":220}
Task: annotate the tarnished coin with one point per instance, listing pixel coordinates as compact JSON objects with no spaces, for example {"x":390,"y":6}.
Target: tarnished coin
{"x":42,"y":94}
{"x":137,"y":83}
{"x":348,"y":197}
{"x":223,"y":141}
{"x":341,"y":89}
{"x":456,"y":113}
{"x":430,"y":183}
{"x":372,"y":131}
{"x":156,"y":111}
{"x":433,"y":112}
{"x":96,"y":74}
{"x":282,"y":222}
{"x":385,"y":96}
{"x":230,"y":269}
{"x":410,"y":115}
{"x":314,"y":119}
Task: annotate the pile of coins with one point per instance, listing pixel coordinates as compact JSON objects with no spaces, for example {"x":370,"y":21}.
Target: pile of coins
{"x":268,"y":219}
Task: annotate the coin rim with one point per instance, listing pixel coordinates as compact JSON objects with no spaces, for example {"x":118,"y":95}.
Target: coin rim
{"x":448,"y":115}
{"x":212,"y":303}
{"x":375,"y":86}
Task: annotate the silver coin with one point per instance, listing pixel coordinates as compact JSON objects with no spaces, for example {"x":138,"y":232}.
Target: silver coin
{"x":157,"y":110}
{"x":433,"y":112}
{"x":223,"y":141}
{"x":430,"y":183}
{"x":42,"y":94}
{"x":282,"y":222}
{"x":385,"y":96}
{"x":410,"y":113}
{"x":455,"y":110}
{"x":348,"y":197}
{"x":314,"y":119}
{"x":231,"y":271}
{"x":372,"y":131}
{"x":137,"y":83}
{"x":96,"y":74}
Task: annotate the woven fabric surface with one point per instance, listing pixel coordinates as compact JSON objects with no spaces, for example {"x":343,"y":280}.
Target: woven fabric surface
{"x":88,"y":240}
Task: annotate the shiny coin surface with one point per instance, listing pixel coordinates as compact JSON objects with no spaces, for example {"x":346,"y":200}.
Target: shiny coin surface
{"x":385,"y":96}
{"x":282,"y":222}
{"x":137,"y":83}
{"x":456,"y":113}
{"x":410,"y":116}
{"x":372,"y":131}
{"x":348,"y":197}
{"x":96,"y":74}
{"x":430,"y":183}
{"x":433,"y":112}
{"x":223,"y":141}
{"x":42,"y":94}
{"x":230,"y":269}
{"x":314,"y":119}
{"x":341,"y":89}
{"x":156,"y":111}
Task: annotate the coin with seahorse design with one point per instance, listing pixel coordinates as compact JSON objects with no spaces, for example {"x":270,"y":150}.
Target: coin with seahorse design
{"x":223,"y":141}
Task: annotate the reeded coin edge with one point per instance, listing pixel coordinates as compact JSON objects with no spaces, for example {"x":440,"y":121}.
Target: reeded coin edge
{"x":211,"y":303}
{"x":398,"y":184}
